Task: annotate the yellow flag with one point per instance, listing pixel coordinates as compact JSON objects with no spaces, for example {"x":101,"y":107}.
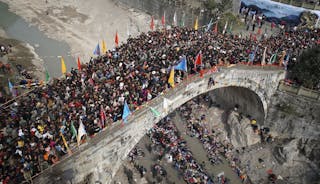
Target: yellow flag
{"x":196,"y":24}
{"x":104,"y":48}
{"x":65,"y":144}
{"x":171,"y":78}
{"x":63,"y":66}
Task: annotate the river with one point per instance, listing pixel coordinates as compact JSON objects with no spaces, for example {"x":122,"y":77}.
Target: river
{"x":48,"y":49}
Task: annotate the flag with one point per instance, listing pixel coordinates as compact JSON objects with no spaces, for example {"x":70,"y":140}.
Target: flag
{"x":171,"y":78}
{"x":273,"y":58}
{"x":97,"y":50}
{"x":182,"y":65}
{"x":259,"y":31}
{"x":154,"y":112}
{"x":152,"y":24}
{"x":252,"y":55}
{"x":73,"y":131}
{"x":103,"y":117}
{"x":225,"y":27}
{"x":216,"y":28}
{"x":317,"y":23}
{"x":63,"y":66}
{"x":198,"y":60}
{"x":65,"y":144}
{"x":263,"y":62}
{"x":104,"y":47}
{"x":163,"y":19}
{"x":128,"y":30}
{"x":175,"y":19}
{"x":81,"y":132}
{"x":79,"y":64}
{"x":286,"y":61}
{"x":209,"y":25}
{"x":126,"y":112}
{"x":116,"y":39}
{"x":196,"y":24}
{"x":281,"y":61}
{"x":10,"y":86}
{"x":47,"y":76}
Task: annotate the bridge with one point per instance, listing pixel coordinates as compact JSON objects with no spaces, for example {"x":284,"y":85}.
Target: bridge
{"x":100,"y":157}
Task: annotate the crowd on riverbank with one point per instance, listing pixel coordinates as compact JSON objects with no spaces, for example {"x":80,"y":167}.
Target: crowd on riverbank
{"x":33,"y":127}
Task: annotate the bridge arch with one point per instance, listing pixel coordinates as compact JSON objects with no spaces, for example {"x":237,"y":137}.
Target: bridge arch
{"x":102,"y":156}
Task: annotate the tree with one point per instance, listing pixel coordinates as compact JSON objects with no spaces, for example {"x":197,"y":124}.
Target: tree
{"x":306,"y":71}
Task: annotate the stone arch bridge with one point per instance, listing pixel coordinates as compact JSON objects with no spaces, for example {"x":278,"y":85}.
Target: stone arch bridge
{"x":99,"y":159}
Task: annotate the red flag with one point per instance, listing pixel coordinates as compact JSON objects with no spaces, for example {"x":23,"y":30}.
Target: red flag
{"x":102,"y":116}
{"x":79,"y":64}
{"x":201,"y":73}
{"x":198,"y":60}
{"x":163,"y":19}
{"x":152,"y":24}
{"x":116,"y":39}
{"x":216,"y":28}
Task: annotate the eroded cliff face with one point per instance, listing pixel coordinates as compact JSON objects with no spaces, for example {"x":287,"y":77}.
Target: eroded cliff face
{"x":294,"y":123}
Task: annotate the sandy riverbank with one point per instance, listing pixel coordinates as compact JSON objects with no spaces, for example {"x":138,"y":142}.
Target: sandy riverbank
{"x":82,"y":24}
{"x":21,"y":54}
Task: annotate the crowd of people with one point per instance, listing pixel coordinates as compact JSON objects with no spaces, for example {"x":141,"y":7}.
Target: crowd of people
{"x":135,"y":72}
{"x":165,"y":134}
{"x":215,"y":146}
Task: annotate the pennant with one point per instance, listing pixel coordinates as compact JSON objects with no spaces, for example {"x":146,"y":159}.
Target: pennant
{"x":65,"y":144}
{"x":175,"y":19}
{"x":152,"y":24}
{"x":116,"y":39}
{"x":73,"y":131}
{"x":81,"y":132}
{"x":10,"y":86}
{"x":63,"y":66}
{"x":163,"y":19}
{"x":103,"y":117}
{"x":79,"y":64}
{"x":104,"y":47}
{"x":273,"y":58}
{"x":126,"y":112}
{"x":196,"y":24}
{"x":198,"y":60}
{"x":47,"y":76}
{"x":97,"y":50}
{"x":171,"y":78}
{"x":225,"y":28}
{"x":215,"y":30}
{"x":263,"y":62}
{"x":209,"y":25}
{"x":182,"y":65}
{"x":155,"y":112}
{"x":281,"y":60}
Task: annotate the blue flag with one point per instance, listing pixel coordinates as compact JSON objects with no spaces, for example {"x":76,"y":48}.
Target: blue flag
{"x":10,"y":86}
{"x":252,"y":55}
{"x":209,"y":25}
{"x":97,"y":50}
{"x":126,"y":112}
{"x":182,"y":65}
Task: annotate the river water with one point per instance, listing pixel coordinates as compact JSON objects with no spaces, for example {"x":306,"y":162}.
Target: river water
{"x":47,"y":48}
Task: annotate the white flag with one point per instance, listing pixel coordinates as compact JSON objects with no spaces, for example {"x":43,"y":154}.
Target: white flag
{"x":81,"y":131}
{"x":225,"y":27}
{"x":175,"y":19}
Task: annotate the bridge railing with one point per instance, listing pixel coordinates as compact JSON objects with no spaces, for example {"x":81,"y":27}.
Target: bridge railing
{"x":299,"y":90}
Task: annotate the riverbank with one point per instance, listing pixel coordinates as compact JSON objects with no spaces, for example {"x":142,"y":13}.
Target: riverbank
{"x":82,"y":24}
{"x":21,"y":54}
